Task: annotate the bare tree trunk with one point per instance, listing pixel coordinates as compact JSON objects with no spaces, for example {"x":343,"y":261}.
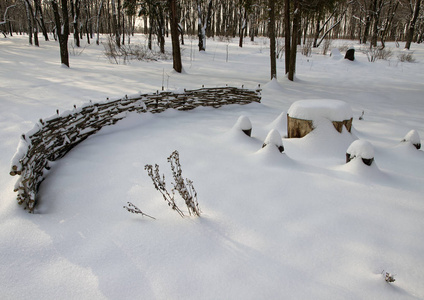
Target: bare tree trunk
{"x":368,"y":20}
{"x":149,"y":43}
{"x":202,"y":26}
{"x":411,"y":28}
{"x":271,"y":29}
{"x":160,"y":20}
{"x":62,"y":29}
{"x":39,"y":11}
{"x":376,"y":17}
{"x":29,"y":18}
{"x":295,"y":34}
{"x":75,"y":11}
{"x":242,"y":24}
{"x":115,"y":24}
{"x":87,"y":18}
{"x":287,"y":30}
{"x":118,"y":18}
{"x":98,"y":22}
{"x":176,"y":52}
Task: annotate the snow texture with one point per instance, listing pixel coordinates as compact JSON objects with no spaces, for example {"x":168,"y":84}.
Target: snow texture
{"x":243,"y":123}
{"x":333,"y":110}
{"x":303,"y":225}
{"x":273,"y":138}
{"x":335,"y":54}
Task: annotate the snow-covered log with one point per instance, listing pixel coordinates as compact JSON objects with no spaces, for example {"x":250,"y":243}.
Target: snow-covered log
{"x":53,"y":137}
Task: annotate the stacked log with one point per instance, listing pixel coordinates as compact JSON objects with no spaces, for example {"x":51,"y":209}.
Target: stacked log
{"x":54,"y":137}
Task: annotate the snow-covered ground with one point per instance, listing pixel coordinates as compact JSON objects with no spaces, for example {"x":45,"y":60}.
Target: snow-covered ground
{"x":298,"y":225}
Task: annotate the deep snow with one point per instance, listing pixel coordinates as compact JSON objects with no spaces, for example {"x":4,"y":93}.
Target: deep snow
{"x":297,"y":225}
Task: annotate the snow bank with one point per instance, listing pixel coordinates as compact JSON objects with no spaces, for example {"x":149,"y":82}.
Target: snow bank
{"x":314,"y":109}
{"x":280,"y":123}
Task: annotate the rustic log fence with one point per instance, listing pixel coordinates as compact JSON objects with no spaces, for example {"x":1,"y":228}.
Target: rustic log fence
{"x":54,"y":137}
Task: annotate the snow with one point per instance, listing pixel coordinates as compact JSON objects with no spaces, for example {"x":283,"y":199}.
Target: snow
{"x":273,"y":138}
{"x":335,"y":54}
{"x":360,"y":148}
{"x":243,"y":123}
{"x":315,"y":109}
{"x":413,"y":137}
{"x":299,"y":225}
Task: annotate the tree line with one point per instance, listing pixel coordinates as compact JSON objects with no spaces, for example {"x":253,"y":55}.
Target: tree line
{"x":370,"y":22}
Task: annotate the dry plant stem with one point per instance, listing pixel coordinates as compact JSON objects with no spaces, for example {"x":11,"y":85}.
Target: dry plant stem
{"x":389,"y":277}
{"x":187,"y":192}
{"x":135,"y":210}
{"x":159,"y":184}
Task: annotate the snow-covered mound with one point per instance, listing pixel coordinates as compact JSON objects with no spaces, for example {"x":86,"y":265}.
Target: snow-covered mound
{"x":414,"y":138}
{"x":335,"y":54}
{"x":274,"y":139}
{"x":360,"y":149}
{"x":243,"y":123}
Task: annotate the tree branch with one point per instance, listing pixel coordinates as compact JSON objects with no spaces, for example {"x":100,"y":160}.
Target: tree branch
{"x":5,"y":14}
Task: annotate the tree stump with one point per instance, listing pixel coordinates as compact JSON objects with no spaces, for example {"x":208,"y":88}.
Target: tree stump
{"x":350,"y":54}
{"x":244,"y":124}
{"x":360,"y":149}
{"x":301,"y":116}
{"x":274,"y":139}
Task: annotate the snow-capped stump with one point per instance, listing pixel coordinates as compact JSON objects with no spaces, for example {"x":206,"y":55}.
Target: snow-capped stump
{"x":414,"y":138}
{"x":243,"y":123}
{"x":303,"y":115}
{"x":274,"y":138}
{"x":360,"y":149}
{"x":350,"y":54}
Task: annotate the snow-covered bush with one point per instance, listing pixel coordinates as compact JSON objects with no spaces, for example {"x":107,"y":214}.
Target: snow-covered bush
{"x":185,"y":189}
{"x":343,"y":48}
{"x":307,"y":48}
{"x":326,"y":46}
{"x":243,"y":123}
{"x":406,"y":56}
{"x":374,"y":54}
{"x":360,"y":149}
{"x":274,"y":138}
{"x":414,"y":138}
{"x":125,"y":53}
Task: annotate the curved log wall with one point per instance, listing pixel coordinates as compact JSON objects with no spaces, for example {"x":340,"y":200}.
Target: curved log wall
{"x":52,"y":138}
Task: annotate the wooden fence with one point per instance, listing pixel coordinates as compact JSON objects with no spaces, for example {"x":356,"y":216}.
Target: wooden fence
{"x":52,"y":138}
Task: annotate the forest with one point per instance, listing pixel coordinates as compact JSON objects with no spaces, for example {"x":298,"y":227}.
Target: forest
{"x":307,"y":22}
